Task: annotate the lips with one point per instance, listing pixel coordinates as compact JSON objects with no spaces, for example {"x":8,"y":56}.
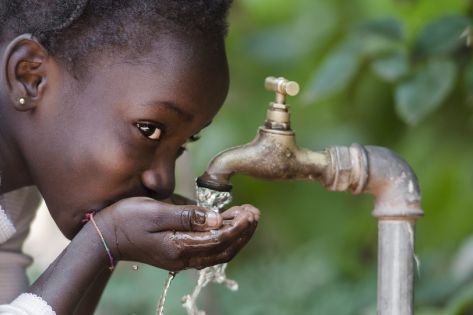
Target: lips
{"x":140,"y":191}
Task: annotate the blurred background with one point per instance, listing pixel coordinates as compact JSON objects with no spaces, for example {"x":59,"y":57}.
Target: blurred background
{"x":394,"y":73}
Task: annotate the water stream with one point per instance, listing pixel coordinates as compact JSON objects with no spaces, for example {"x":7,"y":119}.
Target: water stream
{"x":164,"y":294}
{"x":214,"y":201}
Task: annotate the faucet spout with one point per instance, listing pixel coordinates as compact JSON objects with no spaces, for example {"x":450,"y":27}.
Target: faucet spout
{"x":272,"y":155}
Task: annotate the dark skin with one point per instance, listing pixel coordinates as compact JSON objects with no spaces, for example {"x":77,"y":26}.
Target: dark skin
{"x":108,"y":142}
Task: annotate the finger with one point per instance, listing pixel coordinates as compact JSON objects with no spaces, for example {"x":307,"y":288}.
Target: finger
{"x":199,"y":262}
{"x":254,"y":210}
{"x":193,"y":254}
{"x":236,"y":215}
{"x":216,"y":240}
{"x":165,"y":217}
{"x":233,"y":212}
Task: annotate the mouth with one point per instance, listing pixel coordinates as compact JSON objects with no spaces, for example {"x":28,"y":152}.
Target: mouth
{"x":82,"y":216}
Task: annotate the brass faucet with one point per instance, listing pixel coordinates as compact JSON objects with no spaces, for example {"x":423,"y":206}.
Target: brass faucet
{"x":274,"y":155}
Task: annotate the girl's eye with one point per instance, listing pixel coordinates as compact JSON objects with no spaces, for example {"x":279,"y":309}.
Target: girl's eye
{"x":183,"y":148}
{"x":194,"y":138}
{"x":150,"y":131}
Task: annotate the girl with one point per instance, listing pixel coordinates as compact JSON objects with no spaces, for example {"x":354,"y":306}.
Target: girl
{"x":97,"y":99}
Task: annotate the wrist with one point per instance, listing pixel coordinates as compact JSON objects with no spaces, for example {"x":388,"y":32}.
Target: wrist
{"x":97,"y":225}
{"x":90,"y":243}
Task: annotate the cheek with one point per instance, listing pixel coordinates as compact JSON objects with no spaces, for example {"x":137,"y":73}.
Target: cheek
{"x":88,"y":168}
{"x":106,"y":162}
{"x":101,"y":147}
{"x":89,"y":174}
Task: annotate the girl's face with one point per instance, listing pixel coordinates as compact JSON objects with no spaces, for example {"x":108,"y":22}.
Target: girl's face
{"x":118,"y":133}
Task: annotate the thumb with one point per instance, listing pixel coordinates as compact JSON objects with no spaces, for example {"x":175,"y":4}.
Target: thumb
{"x":187,"y":218}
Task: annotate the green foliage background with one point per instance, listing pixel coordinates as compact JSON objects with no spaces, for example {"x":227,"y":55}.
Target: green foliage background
{"x":391,"y":73}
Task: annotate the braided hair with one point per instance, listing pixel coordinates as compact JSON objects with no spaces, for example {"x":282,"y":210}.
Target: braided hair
{"x":73,"y":29}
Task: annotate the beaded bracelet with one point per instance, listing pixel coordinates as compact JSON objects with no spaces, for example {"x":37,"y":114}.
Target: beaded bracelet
{"x":90,"y":217}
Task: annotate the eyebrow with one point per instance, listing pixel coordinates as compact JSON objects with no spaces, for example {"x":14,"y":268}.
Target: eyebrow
{"x":186,"y":116}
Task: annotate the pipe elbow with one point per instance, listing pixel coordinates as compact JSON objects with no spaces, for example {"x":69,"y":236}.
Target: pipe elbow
{"x":379,"y":172}
{"x":393,"y":183}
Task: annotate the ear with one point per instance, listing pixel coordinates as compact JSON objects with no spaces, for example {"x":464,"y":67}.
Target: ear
{"x":25,"y":71}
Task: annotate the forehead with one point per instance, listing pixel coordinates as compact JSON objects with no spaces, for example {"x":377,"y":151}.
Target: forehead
{"x":196,"y":67}
{"x":182,"y":70}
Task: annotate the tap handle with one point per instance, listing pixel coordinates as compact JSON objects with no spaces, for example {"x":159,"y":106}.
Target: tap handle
{"x":282,"y":86}
{"x":277,"y":116}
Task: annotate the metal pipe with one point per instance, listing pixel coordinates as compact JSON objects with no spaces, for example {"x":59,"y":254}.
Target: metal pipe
{"x":397,"y":207}
{"x":396,"y":267}
{"x":359,"y":169}
{"x":273,"y":154}
{"x":393,"y":183}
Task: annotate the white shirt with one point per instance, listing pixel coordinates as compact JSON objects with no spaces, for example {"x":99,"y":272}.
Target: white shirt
{"x":27,"y":304}
{"x":16,"y":214}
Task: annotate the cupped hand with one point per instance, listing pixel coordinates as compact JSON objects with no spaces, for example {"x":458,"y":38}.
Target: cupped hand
{"x":175,"y":237}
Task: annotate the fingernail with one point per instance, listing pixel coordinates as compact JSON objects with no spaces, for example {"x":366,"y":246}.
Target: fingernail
{"x":198,"y":217}
{"x":213,"y":219}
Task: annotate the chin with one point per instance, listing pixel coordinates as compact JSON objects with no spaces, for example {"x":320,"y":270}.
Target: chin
{"x":71,"y":231}
{"x":69,"y":225}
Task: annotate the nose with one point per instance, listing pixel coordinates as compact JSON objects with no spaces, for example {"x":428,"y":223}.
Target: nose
{"x":159,"y":179}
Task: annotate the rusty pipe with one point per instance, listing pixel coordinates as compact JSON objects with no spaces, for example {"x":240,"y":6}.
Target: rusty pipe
{"x":393,"y":183}
{"x":274,"y":155}
{"x":359,"y":169}
{"x":377,"y":171}
{"x":383,"y":174}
